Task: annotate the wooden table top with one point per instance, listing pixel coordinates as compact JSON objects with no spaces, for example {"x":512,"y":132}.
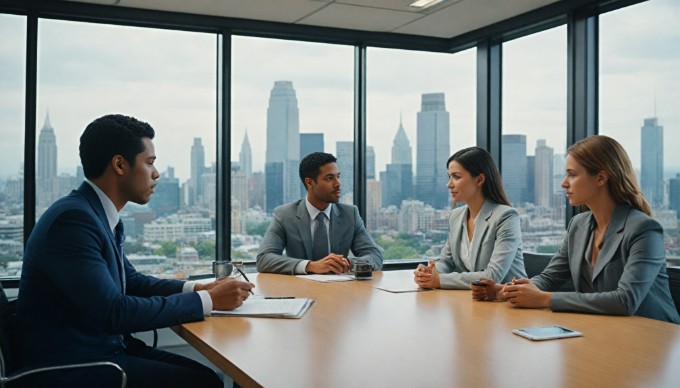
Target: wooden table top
{"x":358,"y":335}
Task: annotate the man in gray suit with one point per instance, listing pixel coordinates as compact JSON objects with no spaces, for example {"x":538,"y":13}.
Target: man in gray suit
{"x":316,"y":232}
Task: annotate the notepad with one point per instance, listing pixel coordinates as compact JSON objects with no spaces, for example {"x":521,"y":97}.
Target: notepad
{"x":268,"y":308}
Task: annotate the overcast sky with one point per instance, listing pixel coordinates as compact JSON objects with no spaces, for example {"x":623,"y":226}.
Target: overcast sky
{"x":167,"y":78}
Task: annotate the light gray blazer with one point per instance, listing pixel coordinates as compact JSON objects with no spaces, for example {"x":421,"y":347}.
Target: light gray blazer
{"x":290,"y":230}
{"x":629,"y":277}
{"x":496,"y":248}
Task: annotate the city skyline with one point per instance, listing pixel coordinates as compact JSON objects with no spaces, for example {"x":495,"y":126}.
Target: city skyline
{"x":628,"y":44}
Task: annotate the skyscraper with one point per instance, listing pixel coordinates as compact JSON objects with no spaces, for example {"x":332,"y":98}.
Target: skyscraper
{"x":283,"y":144}
{"x":397,"y":179}
{"x":245,"y":158}
{"x":310,"y":142}
{"x":674,"y":194}
{"x":651,"y":177}
{"x":514,"y":167}
{"x":370,"y":163}
{"x":544,"y":174}
{"x":433,"y":150}
{"x":344,"y":152}
{"x":165,"y":200}
{"x":47,"y":182}
{"x":197,"y":169}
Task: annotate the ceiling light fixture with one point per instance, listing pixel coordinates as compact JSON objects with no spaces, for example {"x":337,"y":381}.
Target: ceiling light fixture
{"x":422,"y":4}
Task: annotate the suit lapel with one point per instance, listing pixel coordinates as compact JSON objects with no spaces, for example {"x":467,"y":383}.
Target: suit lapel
{"x":580,"y":242}
{"x":304,"y":227}
{"x":336,"y":228}
{"x":481,"y":226}
{"x":612,"y":238}
{"x":456,"y":235}
{"x":91,"y":196}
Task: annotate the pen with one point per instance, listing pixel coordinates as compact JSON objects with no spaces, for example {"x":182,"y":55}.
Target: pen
{"x":279,"y":297}
{"x":245,"y":277}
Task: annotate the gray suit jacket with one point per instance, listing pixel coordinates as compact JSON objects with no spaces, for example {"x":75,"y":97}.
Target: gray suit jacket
{"x":496,"y":248}
{"x":290,"y":230}
{"x":629,"y":277}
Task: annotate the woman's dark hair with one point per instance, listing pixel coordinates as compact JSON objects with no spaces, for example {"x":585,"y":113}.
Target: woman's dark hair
{"x":109,"y":136}
{"x":478,"y":161}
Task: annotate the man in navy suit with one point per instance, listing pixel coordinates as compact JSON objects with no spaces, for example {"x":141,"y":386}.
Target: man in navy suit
{"x":79,"y":296}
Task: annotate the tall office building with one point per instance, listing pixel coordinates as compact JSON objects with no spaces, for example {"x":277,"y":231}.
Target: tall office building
{"x":310,"y":142}
{"x":166,"y":198}
{"x":651,"y":177}
{"x":283,"y":144}
{"x":197,"y":169}
{"x":370,"y":163}
{"x":514,"y":167}
{"x":273,"y":178}
{"x":433,"y":150}
{"x":543,"y":174}
{"x":245,"y":158}
{"x":674,"y":194}
{"x":239,"y":188}
{"x":47,"y":183}
{"x":397,"y":179}
{"x":531,"y":180}
{"x":344,"y":152}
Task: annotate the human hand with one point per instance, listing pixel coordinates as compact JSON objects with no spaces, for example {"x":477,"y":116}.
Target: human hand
{"x":524,"y":293}
{"x":488,"y":290}
{"x":330,"y":264}
{"x":228,"y":294}
{"x":427,"y":276}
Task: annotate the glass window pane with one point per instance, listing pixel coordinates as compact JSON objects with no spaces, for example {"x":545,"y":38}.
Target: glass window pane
{"x":165,"y":78}
{"x":639,"y":94}
{"x":290,"y":98}
{"x":12,"y":97}
{"x":534,"y":135}
{"x":418,"y":114}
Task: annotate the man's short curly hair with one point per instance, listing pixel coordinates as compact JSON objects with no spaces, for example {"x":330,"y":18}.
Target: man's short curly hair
{"x":310,"y":165}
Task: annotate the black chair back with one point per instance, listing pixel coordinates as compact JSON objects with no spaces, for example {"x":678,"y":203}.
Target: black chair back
{"x":535,"y":263}
{"x":7,"y":310}
{"x":674,"y":284}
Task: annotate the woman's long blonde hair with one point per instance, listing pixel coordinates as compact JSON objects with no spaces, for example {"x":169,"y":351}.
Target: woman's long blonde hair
{"x":602,"y":153}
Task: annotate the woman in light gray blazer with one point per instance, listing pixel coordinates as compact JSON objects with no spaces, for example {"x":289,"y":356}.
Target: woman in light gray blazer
{"x":613,"y":251}
{"x":484,"y":235}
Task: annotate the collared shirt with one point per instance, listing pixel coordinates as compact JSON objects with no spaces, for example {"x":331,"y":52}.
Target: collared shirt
{"x":464,"y":252}
{"x":313,"y":212}
{"x":112,"y":216}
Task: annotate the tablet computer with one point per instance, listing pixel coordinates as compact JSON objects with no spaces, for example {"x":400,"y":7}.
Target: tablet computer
{"x":547,"y":332}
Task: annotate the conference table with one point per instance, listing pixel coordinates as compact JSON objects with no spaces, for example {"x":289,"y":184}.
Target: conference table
{"x":356,"y":335}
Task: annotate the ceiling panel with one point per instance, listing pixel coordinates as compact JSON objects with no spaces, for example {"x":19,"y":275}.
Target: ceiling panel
{"x":360,"y":18}
{"x":445,"y":20}
{"x":469,"y":15}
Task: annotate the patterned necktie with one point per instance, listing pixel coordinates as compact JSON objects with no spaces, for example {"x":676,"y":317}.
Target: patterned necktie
{"x":120,"y":240}
{"x":320,"y":247}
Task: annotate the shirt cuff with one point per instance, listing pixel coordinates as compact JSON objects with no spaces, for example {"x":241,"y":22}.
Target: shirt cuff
{"x":188,"y":286}
{"x":300,"y":267}
{"x":206,"y":301}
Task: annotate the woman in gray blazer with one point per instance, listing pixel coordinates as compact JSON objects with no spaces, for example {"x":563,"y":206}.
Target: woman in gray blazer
{"x":484,"y":235}
{"x":613,"y":251}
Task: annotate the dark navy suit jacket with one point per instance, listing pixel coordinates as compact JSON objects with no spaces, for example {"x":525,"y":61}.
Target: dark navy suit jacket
{"x":71,"y":306}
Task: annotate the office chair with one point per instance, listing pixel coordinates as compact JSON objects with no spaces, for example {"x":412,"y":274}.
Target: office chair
{"x":535,"y":263}
{"x":674,"y":284}
{"x":7,"y":374}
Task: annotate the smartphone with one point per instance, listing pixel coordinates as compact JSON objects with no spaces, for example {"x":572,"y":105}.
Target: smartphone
{"x":477,"y":283}
{"x":541,"y":333}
